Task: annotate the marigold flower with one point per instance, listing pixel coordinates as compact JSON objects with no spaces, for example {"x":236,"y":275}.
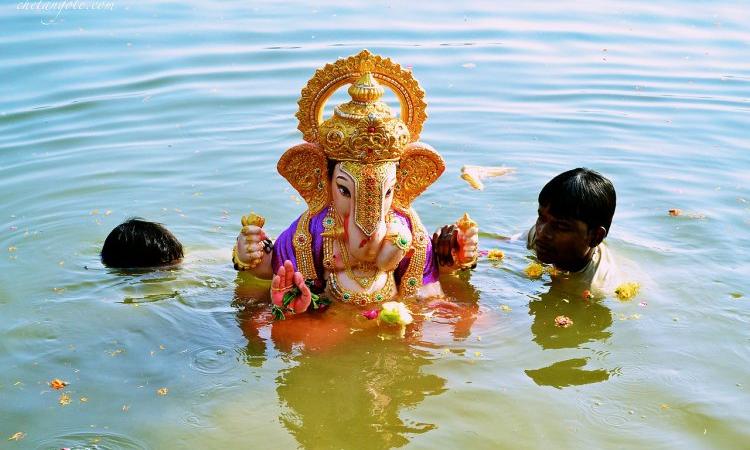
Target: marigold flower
{"x":534,"y":270}
{"x":57,"y":384}
{"x":626,"y":291}
{"x":495,"y":255}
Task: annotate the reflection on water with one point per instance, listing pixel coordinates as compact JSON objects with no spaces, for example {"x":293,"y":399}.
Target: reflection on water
{"x":353,"y":397}
{"x":591,"y":322}
{"x":346,"y":381}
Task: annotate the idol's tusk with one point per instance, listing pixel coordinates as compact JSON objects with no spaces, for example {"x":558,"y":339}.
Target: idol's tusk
{"x":474,"y":174}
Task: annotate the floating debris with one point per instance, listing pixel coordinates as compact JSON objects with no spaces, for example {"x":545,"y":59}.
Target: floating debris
{"x":626,"y":291}
{"x":506,"y":308}
{"x":630,"y":317}
{"x":162,"y":391}
{"x":474,"y":174}
{"x":57,"y":384}
{"x":675,"y":212}
{"x":17,"y":436}
{"x":587,"y":295}
{"x":534,"y":270}
{"x":64,"y":400}
{"x":563,"y":321}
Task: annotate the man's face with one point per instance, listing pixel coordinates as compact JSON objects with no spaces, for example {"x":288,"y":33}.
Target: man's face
{"x":561,"y":241}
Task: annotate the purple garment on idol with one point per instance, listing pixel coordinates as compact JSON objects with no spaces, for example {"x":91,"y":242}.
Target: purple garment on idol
{"x":283,"y":249}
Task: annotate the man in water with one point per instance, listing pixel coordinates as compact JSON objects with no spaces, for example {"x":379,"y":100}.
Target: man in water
{"x":575,"y":215}
{"x":137,"y":243}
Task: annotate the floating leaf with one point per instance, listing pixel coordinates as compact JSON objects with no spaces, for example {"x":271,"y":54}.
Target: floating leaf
{"x":506,"y":308}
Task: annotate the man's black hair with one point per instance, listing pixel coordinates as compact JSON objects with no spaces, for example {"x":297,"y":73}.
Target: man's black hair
{"x":140,"y":243}
{"x":581,"y":194}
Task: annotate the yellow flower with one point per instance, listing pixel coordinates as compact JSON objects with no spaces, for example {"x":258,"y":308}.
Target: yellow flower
{"x":64,"y":400}
{"x":534,"y":270}
{"x":626,"y":291}
{"x":495,"y":255}
{"x":162,"y":391}
{"x":395,"y":313}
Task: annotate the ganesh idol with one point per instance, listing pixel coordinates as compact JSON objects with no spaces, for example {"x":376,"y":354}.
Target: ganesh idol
{"x":359,"y":171}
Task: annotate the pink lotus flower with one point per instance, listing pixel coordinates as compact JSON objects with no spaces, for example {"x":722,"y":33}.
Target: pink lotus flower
{"x":371,"y":314}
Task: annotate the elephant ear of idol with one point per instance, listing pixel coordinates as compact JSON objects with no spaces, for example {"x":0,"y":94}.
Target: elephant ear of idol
{"x":420,"y":166}
{"x":306,"y":168}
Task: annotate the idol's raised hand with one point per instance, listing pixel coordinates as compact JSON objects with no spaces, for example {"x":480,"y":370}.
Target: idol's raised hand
{"x":283,"y":281}
{"x":253,"y":249}
{"x":456,"y":246}
{"x":468,"y":243}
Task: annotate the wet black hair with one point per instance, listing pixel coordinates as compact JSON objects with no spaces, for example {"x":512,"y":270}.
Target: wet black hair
{"x":140,"y":243}
{"x":581,"y":194}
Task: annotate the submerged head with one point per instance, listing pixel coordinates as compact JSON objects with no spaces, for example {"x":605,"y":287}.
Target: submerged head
{"x":575,"y":215}
{"x":139,"y":243}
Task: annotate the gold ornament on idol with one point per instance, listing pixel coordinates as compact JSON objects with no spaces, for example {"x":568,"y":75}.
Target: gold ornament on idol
{"x":334,"y":234}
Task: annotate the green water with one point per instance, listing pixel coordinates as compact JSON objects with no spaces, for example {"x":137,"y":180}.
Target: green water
{"x":179,"y":111}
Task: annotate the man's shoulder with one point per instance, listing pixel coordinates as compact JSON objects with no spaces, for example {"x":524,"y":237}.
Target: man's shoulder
{"x":606,"y":274}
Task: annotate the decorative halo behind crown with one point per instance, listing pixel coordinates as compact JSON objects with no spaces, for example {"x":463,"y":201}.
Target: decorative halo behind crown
{"x":363,"y":129}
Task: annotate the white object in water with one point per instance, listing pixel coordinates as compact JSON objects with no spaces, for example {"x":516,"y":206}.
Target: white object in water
{"x":474,"y":174}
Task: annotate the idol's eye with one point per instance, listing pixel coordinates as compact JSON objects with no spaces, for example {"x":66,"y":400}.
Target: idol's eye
{"x":344,"y":190}
{"x":389,"y":192}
